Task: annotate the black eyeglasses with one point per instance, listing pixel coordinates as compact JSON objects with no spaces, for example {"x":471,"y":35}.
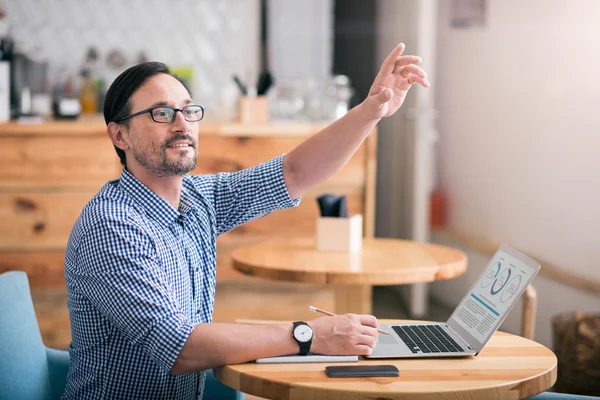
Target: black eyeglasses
{"x":166,"y":115}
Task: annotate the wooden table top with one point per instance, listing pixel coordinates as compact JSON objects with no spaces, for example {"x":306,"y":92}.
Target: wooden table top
{"x":380,"y":262}
{"x":509,"y":367}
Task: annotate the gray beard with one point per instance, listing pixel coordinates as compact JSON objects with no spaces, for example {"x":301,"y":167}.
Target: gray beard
{"x":166,"y":168}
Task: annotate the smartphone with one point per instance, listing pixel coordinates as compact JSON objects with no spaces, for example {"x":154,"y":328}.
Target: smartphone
{"x":340,"y":371}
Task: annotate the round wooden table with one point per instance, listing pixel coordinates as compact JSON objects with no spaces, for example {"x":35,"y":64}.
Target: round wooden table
{"x":380,"y":262}
{"x":509,"y":367}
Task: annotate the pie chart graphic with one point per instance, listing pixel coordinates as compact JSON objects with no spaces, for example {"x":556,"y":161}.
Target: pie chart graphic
{"x":500,"y":281}
{"x":512,"y":288}
{"x":491,"y":274}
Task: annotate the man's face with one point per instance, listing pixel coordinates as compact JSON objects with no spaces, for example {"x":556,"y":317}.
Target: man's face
{"x":162,"y":149}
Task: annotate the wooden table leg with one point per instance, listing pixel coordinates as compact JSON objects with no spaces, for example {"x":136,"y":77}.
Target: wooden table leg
{"x":357,"y":299}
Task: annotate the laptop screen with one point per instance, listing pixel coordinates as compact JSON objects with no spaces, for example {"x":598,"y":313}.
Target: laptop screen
{"x":494,"y":293}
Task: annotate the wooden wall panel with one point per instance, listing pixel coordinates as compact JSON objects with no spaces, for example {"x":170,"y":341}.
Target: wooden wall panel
{"x":46,"y":179}
{"x":34,"y":221}
{"x":43,"y":268}
{"x":230,"y":154}
{"x":57,"y":162}
{"x":38,"y":221}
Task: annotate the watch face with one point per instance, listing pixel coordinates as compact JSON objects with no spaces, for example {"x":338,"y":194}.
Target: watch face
{"x":303,"y":333}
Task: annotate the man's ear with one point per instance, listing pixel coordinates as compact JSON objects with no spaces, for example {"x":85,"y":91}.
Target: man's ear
{"x":117,"y":134}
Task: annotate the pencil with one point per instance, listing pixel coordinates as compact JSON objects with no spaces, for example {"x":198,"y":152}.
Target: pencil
{"x":329,"y":313}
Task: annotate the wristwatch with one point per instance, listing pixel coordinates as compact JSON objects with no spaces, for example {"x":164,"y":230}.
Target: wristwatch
{"x":302,"y":334}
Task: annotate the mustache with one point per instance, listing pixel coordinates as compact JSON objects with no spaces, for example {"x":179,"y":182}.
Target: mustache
{"x":181,"y":137}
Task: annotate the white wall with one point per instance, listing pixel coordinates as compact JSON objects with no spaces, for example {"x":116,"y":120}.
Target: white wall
{"x":396,"y":22}
{"x":300,"y":37}
{"x":519,"y":105}
{"x":216,"y":38}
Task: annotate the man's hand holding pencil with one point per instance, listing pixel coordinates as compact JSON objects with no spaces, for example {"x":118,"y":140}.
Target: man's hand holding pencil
{"x":348,"y":334}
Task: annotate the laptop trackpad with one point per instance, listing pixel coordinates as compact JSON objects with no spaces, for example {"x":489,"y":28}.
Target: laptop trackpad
{"x":386,"y":339}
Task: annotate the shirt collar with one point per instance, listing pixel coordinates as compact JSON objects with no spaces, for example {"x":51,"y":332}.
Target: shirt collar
{"x":155,"y":206}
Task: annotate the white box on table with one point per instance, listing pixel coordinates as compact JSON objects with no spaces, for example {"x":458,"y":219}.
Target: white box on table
{"x":340,"y":234}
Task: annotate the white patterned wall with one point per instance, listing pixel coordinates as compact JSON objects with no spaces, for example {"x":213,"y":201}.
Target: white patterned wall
{"x":301,"y":38}
{"x":216,"y":37}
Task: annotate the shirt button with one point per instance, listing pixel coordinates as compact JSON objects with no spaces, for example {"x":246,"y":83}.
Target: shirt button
{"x":196,"y":269}
{"x":198,"y":311}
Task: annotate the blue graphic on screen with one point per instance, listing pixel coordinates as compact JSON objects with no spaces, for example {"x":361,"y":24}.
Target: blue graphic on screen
{"x":500,"y":282}
{"x":490,"y":275}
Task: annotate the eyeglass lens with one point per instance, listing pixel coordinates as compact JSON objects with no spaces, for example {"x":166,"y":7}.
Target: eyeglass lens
{"x":167,"y":114}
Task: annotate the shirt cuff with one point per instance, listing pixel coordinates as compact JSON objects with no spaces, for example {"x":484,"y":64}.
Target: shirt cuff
{"x":165,"y":340}
{"x":280,"y":192}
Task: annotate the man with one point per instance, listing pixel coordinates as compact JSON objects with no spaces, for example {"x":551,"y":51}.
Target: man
{"x":141,"y":261}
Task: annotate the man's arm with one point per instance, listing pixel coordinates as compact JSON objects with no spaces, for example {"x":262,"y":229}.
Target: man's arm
{"x":239,"y":197}
{"x":322,"y":155}
{"x":214,"y":345}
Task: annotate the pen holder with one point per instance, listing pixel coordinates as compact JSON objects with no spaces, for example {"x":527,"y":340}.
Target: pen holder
{"x":340,"y":234}
{"x":253,"y":110}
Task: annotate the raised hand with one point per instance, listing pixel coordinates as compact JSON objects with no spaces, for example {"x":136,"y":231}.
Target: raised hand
{"x":397,"y":74}
{"x":348,"y":334}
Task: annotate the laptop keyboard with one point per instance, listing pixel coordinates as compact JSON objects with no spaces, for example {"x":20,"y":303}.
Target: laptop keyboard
{"x":427,"y":339}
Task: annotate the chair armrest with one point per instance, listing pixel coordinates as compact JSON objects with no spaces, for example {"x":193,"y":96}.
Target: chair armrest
{"x":58,"y":369}
{"x":214,"y":389}
{"x":560,"y":396}
{"x":529,"y":299}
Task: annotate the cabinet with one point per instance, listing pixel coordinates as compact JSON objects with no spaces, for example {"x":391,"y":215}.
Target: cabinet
{"x":48,"y":172}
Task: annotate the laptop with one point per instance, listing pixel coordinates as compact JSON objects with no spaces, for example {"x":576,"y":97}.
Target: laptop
{"x":473,"y":322}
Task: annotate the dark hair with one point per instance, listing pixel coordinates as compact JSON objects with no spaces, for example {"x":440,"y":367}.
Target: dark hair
{"x":116,"y":102}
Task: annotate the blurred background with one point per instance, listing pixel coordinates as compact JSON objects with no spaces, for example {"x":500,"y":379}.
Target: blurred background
{"x":502,"y":148}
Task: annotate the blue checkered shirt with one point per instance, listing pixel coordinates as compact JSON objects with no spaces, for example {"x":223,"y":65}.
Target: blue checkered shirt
{"x":141,"y":275}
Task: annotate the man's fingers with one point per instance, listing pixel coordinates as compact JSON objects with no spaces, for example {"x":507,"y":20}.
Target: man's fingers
{"x":406,"y":70}
{"x":367,"y":340}
{"x":386,"y":95}
{"x":412,"y":79}
{"x":379,"y":100}
{"x":369,"y":331}
{"x":377,"y":89}
{"x":407,"y":60}
{"x":363,"y":350}
{"x":369,"y":320}
{"x":390,"y":61}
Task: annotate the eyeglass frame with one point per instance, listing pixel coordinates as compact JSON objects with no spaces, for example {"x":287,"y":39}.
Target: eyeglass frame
{"x":150,"y":110}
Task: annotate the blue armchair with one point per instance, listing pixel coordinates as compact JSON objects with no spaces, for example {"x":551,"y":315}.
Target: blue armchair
{"x":560,"y":396}
{"x":28,"y":369}
{"x":215,"y":390}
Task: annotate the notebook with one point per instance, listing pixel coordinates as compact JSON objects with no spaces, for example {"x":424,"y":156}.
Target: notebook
{"x":309,"y":358}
